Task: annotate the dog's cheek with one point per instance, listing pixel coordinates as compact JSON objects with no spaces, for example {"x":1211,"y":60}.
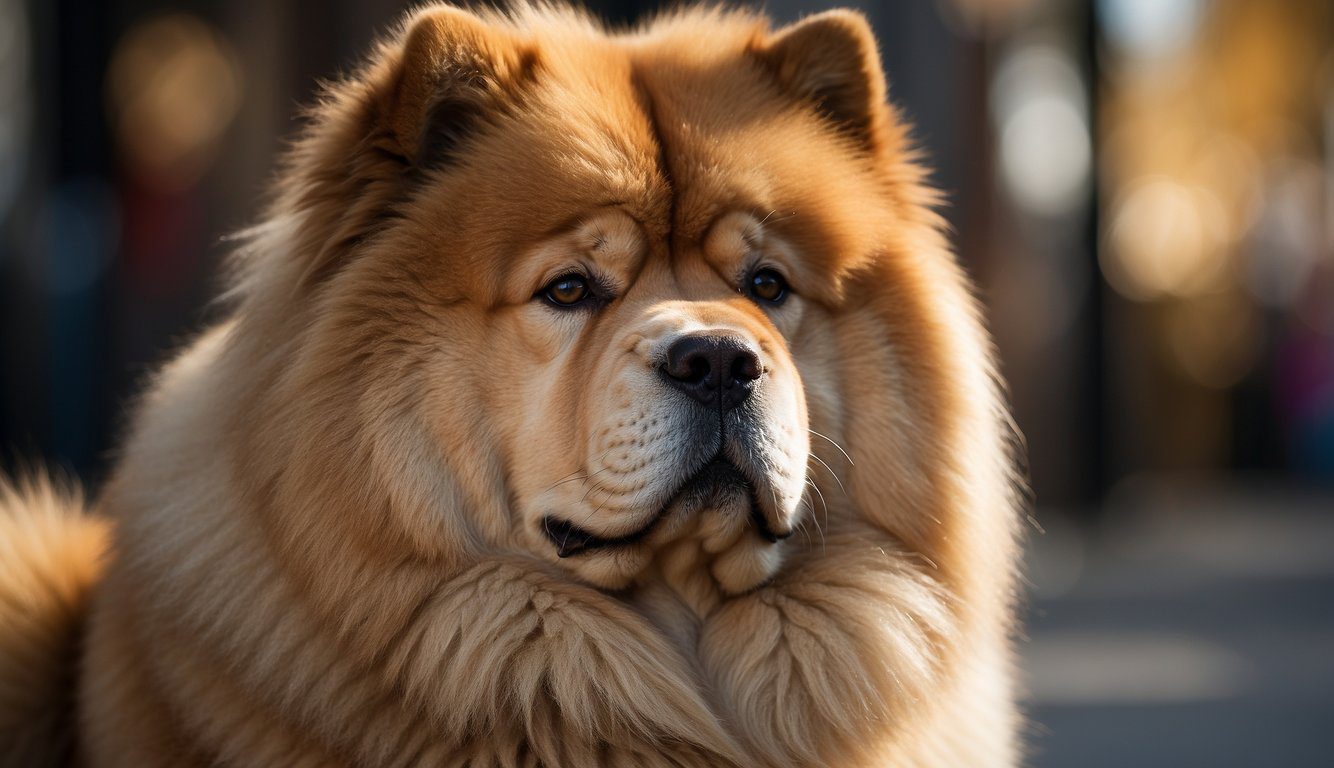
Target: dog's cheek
{"x":788,"y":318}
{"x":547,"y":335}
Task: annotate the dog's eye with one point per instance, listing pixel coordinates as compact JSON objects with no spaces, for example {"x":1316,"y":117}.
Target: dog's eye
{"x":566,"y":291}
{"x":767,"y":285}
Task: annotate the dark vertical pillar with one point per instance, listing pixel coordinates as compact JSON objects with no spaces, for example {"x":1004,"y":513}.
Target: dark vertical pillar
{"x":1100,"y":473}
{"x":73,"y":238}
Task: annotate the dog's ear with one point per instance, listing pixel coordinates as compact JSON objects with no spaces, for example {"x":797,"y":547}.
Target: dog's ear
{"x":830,"y":60}
{"x":454,"y":69}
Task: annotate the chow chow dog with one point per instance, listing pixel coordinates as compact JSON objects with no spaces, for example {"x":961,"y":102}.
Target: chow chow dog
{"x":586,"y":398}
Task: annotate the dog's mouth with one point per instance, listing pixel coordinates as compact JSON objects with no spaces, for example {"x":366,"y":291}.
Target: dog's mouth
{"x":719,"y":484}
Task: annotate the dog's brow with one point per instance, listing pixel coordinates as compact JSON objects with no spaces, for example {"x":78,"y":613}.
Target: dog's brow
{"x":573,"y":222}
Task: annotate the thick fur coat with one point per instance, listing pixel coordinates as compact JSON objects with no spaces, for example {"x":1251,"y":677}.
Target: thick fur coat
{"x":449,"y":488}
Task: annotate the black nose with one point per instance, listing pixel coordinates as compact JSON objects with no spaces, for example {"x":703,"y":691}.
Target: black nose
{"x":719,"y":371}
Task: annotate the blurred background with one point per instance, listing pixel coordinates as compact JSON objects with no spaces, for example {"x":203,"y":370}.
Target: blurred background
{"x":1143,"y":189}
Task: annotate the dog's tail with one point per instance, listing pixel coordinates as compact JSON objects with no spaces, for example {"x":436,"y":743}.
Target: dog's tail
{"x":51,"y":553}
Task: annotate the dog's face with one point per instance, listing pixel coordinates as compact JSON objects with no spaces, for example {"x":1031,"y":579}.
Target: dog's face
{"x":654,"y":396}
{"x":599,"y":293}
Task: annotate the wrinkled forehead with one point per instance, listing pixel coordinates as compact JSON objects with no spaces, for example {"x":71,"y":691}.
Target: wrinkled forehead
{"x":580,"y":137}
{"x":675,"y":133}
{"x":733,"y":141}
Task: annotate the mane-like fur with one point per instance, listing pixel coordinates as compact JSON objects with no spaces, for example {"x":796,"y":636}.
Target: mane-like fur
{"x":320,"y":553}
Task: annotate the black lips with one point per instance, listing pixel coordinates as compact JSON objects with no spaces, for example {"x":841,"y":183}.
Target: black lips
{"x":716,"y":484}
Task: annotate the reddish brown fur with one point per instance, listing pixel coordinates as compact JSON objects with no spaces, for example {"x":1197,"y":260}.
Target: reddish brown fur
{"x":325,"y":545}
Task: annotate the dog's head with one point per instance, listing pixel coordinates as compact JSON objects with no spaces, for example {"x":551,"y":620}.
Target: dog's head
{"x":594,"y":295}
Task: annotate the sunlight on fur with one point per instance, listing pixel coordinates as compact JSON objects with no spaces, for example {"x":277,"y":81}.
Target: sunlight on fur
{"x":585,"y":398}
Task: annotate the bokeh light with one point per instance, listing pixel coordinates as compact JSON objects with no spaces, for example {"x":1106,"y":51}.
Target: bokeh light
{"x":1150,"y":28}
{"x":1038,"y":103}
{"x":1165,"y":239}
{"x":173,"y":87}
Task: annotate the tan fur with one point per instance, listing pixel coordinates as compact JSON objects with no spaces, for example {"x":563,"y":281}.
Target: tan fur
{"x":50,"y":555}
{"x":330,"y":512}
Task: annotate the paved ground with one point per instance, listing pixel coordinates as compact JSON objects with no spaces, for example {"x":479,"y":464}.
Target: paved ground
{"x":1194,"y":628}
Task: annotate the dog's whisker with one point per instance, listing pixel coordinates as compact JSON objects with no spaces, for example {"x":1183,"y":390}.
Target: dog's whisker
{"x":595,"y":474}
{"x":851,"y":463}
{"x":815,"y":516}
{"x":831,"y":473}
{"x":814,"y":522}
{"x":588,"y":515}
{"x":592,"y":488}
{"x":770,"y":216}
{"x":801,"y":526}
{"x":571,"y":477}
{"x":564,"y":481}
{"x":823,"y":503}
